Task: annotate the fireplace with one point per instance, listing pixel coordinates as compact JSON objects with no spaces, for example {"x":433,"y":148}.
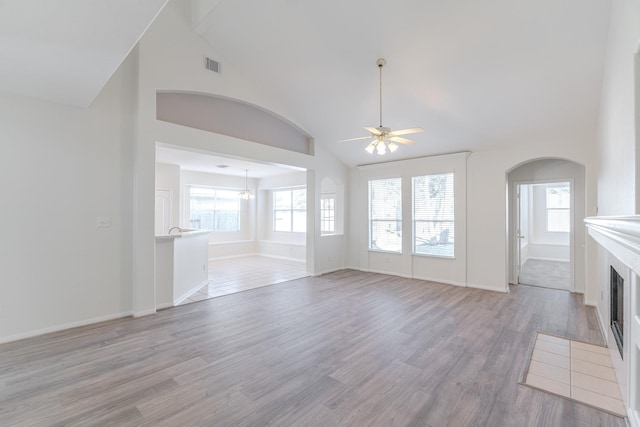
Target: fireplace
{"x":617,"y":308}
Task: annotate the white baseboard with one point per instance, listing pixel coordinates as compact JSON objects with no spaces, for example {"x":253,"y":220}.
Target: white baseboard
{"x":63,"y":326}
{"x":546,"y":259}
{"x":320,"y":273}
{"x":389,"y":273}
{"x":633,"y":418}
{"x":143,"y":313}
{"x":190,"y":292}
{"x":446,"y":282}
{"x":282,"y":257}
{"x":217,"y":258}
{"x":163,"y":306}
{"x":603,"y":327}
{"x":486,"y":288}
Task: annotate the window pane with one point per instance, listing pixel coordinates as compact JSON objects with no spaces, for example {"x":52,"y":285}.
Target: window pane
{"x":327,"y":214}
{"x":289,"y":210}
{"x":385,"y":214}
{"x":282,"y":220}
{"x":299,"y":221}
{"x":386,"y":235}
{"x":299,"y":199}
{"x":282,"y":199}
{"x":558,"y":197}
{"x":433,"y":215}
{"x":214,"y":210}
{"x":558,"y":220}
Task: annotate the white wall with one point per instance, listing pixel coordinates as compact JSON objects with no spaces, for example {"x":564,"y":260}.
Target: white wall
{"x":487,"y":225}
{"x":171,"y":59}
{"x":405,"y":264}
{"x":168,"y":178}
{"x":617,"y":144}
{"x":61,"y":168}
{"x":619,"y":127}
{"x":546,"y":245}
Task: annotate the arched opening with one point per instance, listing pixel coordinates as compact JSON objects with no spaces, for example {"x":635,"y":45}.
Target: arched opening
{"x":248,"y":242}
{"x":546,"y":235}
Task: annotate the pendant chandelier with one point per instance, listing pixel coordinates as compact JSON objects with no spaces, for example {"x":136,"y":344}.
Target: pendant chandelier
{"x":246,"y":194}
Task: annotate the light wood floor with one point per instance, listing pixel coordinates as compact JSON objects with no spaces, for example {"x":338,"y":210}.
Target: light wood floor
{"x":347,"y":348}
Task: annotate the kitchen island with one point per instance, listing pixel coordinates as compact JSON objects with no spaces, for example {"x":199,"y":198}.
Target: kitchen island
{"x":182,"y":265}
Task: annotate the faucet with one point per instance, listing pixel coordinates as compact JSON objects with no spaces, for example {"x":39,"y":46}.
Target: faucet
{"x":175,"y":228}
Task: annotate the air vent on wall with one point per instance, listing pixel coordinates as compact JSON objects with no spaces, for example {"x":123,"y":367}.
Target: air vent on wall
{"x":213,"y":65}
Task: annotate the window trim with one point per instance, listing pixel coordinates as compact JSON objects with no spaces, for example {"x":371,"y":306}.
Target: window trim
{"x":399,"y":219}
{"x":291,"y":210}
{"x":414,"y":220}
{"x":215,"y":189}
{"x":548,"y":209}
{"x":332,"y":219}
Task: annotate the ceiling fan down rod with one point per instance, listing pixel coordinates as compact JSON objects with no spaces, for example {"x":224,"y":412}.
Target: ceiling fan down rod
{"x":381,"y":63}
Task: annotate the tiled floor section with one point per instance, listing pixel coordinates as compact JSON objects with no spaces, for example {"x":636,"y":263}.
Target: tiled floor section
{"x":576,"y":370}
{"x":232,"y":275}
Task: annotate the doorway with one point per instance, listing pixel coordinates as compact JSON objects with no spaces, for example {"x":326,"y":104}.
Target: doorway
{"x":547,"y":171}
{"x":544,"y":234}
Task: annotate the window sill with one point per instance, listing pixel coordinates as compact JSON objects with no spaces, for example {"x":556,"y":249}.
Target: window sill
{"x":382,"y":251}
{"x":433,"y":256}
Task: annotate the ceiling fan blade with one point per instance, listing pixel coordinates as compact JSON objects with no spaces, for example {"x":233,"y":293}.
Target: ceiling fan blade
{"x":407,"y":131}
{"x":374,"y":131}
{"x":356,"y":139}
{"x":401,"y":140}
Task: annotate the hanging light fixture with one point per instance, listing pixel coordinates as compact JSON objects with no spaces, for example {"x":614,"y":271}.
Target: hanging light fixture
{"x":383,"y":138}
{"x":246,"y":194}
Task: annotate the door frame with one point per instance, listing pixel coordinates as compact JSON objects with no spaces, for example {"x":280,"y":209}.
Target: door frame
{"x":515,"y":246}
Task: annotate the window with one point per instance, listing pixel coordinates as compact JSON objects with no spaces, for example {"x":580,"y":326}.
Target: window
{"x":433,"y":215}
{"x":290,"y":210}
{"x":327,"y":213}
{"x":558,"y":209}
{"x":385,"y":214}
{"x":214,"y":209}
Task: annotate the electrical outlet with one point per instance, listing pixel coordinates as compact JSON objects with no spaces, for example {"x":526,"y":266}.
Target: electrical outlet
{"x":103,"y":222}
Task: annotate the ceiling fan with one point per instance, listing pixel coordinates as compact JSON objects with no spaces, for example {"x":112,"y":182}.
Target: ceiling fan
{"x":382,"y":137}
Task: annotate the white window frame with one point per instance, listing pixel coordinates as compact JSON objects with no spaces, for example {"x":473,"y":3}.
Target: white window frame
{"x":292,"y":210}
{"x":327,"y":214}
{"x":563,"y":209}
{"x":393,"y":222}
{"x":442,"y":242}
{"x":214,"y":211}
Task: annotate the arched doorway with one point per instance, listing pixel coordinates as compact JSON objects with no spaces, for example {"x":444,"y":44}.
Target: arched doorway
{"x":546,"y":205}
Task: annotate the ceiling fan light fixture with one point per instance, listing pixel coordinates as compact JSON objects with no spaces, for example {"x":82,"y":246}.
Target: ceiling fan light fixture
{"x":372,"y":146}
{"x":383,"y":137}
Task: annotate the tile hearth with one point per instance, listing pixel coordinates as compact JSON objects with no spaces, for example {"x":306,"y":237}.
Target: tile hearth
{"x":578,"y":371}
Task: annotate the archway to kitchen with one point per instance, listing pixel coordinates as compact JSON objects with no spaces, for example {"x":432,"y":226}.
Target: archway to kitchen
{"x":254,"y":214}
{"x":235,"y":173}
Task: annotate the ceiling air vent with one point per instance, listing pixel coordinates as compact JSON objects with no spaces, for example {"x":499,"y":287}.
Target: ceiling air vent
{"x":213,"y":65}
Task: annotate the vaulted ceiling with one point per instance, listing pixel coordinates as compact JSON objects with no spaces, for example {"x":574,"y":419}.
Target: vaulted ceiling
{"x":474,"y":74}
{"x":66,"y":50}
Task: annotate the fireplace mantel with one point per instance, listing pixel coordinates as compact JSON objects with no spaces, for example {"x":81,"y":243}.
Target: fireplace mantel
{"x":620,"y":236}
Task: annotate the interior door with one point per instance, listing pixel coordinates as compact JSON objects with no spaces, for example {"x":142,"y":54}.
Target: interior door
{"x":519,"y":236}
